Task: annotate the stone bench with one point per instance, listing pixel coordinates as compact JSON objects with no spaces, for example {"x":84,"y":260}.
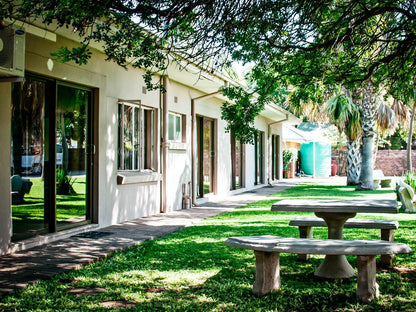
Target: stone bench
{"x":380,"y":179}
{"x":267,"y":250}
{"x":387,"y":228}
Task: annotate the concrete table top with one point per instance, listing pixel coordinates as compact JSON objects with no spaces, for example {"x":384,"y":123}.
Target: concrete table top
{"x":332,"y":205}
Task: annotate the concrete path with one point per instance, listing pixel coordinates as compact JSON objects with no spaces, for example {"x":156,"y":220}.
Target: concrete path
{"x":30,"y":266}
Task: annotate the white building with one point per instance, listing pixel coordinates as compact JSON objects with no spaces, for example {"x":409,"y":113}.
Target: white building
{"x":127,"y":151}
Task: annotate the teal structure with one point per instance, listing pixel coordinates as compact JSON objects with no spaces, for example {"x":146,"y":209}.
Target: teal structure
{"x":315,"y":159}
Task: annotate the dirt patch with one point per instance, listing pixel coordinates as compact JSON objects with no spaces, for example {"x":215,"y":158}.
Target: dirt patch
{"x":404,"y":270}
{"x":401,"y":270}
{"x":86,"y":291}
{"x":156,"y":289}
{"x":68,"y":281}
{"x":117,"y":304}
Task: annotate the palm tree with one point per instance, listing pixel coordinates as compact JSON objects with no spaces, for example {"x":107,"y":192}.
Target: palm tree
{"x":369,"y":109}
{"x":346,"y":116}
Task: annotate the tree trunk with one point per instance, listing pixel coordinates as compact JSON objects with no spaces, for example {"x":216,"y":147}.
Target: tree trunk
{"x":409,"y":139}
{"x":366,"y":181}
{"x":353,"y":161}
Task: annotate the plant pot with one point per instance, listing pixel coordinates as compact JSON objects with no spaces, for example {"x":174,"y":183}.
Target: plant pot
{"x":334,"y":168}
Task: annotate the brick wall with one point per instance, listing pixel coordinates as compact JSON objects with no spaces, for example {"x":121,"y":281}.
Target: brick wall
{"x":393,"y":163}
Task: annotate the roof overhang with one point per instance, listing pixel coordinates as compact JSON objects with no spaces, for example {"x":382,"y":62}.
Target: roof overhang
{"x":277,"y":113}
{"x":292,"y":134}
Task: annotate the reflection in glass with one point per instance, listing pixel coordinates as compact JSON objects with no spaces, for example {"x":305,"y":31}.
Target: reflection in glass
{"x":71,"y":144}
{"x":236,"y":163}
{"x":206,"y":156}
{"x":37,"y":206}
{"x":27,"y":185}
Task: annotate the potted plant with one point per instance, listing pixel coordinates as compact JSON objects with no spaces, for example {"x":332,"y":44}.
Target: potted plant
{"x":289,"y":156}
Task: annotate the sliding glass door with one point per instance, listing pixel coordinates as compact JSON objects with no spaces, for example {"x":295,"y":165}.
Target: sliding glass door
{"x":51,"y":130}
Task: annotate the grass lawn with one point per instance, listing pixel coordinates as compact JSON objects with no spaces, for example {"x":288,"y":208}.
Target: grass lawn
{"x":192,"y":270}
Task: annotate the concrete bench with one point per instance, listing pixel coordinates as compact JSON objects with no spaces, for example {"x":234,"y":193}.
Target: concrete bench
{"x":387,"y":228}
{"x":267,"y":250}
{"x":380,"y":179}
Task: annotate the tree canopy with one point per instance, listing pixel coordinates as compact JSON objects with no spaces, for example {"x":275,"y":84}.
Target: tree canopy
{"x":138,"y":33}
{"x":309,"y":44}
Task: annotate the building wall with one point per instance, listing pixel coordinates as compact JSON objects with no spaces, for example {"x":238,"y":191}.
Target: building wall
{"x":118,"y":203}
{"x":178,"y":154}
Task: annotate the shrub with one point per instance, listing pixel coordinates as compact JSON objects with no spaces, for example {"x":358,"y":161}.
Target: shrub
{"x":288,"y":156}
{"x":64,"y":183}
{"x":410,"y":178}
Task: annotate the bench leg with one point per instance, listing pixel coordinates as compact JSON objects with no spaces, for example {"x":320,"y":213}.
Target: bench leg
{"x":367,"y":287}
{"x":305,"y":232}
{"x":387,"y":235}
{"x":267,"y":272}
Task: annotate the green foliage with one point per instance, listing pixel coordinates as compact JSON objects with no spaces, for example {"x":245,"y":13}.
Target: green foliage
{"x":345,"y":115}
{"x":289,"y":155}
{"x":312,"y":45}
{"x":64,"y":183}
{"x":80,"y":55}
{"x":240,"y":113}
{"x":410,"y":179}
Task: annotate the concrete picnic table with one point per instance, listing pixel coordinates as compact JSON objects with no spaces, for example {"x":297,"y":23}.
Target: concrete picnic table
{"x":336,"y":213}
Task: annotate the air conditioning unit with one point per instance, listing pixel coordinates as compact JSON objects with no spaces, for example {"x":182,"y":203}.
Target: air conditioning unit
{"x":12,"y":51}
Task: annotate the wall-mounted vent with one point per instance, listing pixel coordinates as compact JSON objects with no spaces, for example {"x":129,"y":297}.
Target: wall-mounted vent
{"x":12,"y":51}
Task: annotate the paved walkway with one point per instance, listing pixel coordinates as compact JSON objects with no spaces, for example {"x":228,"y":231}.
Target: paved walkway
{"x":30,"y":266}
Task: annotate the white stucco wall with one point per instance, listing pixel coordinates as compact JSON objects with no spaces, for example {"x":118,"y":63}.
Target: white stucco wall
{"x":178,"y":171}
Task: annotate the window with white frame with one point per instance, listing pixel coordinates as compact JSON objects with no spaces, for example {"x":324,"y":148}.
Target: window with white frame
{"x":176,"y":127}
{"x":136,"y":137}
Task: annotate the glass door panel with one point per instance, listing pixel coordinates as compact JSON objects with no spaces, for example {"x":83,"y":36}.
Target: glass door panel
{"x":29,"y":216}
{"x":275,"y":156}
{"x":71,"y":157}
{"x":236,"y":163}
{"x":205,"y":156}
{"x":208,"y":155}
{"x":259,"y":158}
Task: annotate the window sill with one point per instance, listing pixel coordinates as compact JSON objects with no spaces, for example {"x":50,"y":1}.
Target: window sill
{"x":133,"y":177}
{"x":178,"y":146}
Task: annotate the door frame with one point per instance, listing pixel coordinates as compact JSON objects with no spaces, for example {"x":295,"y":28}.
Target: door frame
{"x":49,"y":162}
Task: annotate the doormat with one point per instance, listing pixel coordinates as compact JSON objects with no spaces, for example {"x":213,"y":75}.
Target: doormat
{"x":93,"y":234}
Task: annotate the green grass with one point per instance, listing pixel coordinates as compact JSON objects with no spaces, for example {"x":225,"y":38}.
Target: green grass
{"x":192,"y":270}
